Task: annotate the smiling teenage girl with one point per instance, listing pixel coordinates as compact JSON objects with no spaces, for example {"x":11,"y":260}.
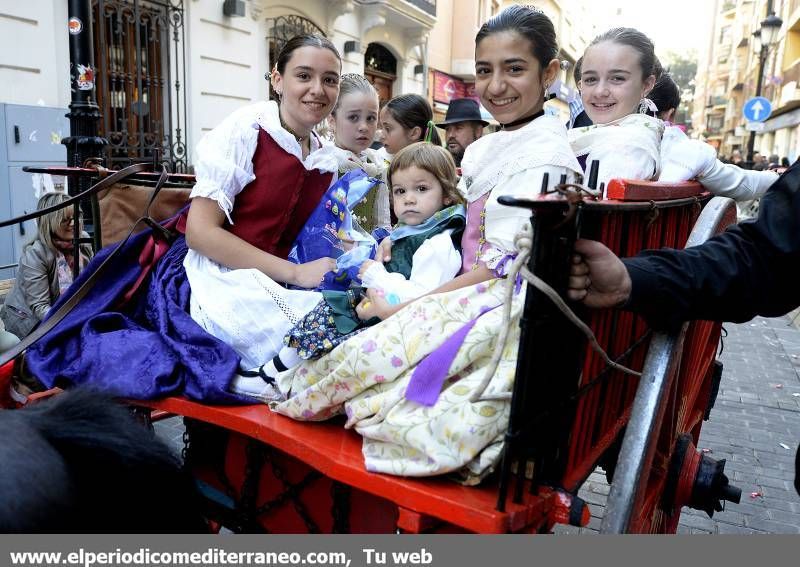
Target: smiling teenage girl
{"x":260,"y":174}
{"x":619,"y":70}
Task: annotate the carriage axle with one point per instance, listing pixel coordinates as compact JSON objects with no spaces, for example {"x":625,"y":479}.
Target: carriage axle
{"x":697,"y":481}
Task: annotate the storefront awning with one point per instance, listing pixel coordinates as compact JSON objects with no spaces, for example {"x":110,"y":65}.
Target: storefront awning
{"x":784,"y":120}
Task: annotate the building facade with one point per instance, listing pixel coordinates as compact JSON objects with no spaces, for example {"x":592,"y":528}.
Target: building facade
{"x":167,"y":71}
{"x":170,"y":70}
{"x":781,"y":135}
{"x":728,"y":77}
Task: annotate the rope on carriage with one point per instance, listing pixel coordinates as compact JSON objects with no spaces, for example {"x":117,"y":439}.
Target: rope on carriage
{"x":523,"y":241}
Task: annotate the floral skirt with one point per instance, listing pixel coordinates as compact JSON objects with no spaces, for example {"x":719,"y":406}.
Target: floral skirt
{"x":366,"y":378}
{"x":316,"y":333}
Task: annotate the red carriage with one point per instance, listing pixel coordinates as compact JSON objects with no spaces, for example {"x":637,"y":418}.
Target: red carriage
{"x":570,"y":410}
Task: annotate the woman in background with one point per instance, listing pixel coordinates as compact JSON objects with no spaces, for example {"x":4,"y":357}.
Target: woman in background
{"x":45,"y":268}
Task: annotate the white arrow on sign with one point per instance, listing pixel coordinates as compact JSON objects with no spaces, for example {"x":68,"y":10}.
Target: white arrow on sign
{"x":757,"y":108}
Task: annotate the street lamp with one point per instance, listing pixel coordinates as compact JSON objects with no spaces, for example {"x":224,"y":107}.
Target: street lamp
{"x":763,"y":39}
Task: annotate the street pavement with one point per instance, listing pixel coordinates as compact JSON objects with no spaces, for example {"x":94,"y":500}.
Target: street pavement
{"x":755,"y":426}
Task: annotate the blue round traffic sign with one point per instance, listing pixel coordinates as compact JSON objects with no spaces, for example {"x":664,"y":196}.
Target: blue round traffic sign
{"x":757,"y":109}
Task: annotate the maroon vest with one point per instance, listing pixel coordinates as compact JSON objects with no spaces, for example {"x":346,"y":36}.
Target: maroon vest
{"x":271,"y":210}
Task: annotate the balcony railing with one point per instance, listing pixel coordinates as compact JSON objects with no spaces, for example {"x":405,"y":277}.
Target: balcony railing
{"x":428,"y":6}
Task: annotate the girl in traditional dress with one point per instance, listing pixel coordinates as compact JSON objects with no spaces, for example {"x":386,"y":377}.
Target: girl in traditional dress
{"x":406,"y":383}
{"x":407,"y":119}
{"x":426,"y":254}
{"x":260,"y":174}
{"x":166,"y":319}
{"x":354,"y":121}
{"x":618,"y":71}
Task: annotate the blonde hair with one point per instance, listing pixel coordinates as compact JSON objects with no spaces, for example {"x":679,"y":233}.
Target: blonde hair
{"x":353,"y":83}
{"x":49,"y":223}
{"x":435,"y":160}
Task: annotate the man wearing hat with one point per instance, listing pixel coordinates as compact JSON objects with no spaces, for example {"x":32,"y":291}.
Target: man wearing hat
{"x":463,"y":124}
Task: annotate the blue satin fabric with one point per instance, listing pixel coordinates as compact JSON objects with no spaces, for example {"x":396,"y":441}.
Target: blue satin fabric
{"x":148,"y":349}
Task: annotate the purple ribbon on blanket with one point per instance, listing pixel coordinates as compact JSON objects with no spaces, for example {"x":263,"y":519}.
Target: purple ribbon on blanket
{"x":429,"y":375}
{"x":501,"y":270}
{"x":502,"y":266}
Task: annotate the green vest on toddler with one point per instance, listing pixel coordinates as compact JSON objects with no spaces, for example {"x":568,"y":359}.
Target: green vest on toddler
{"x":406,"y":240}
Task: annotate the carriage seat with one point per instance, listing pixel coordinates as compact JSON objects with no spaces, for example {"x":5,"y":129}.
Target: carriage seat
{"x":336,"y":453}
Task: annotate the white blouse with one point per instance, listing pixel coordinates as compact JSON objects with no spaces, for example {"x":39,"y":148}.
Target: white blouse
{"x":514,"y":164}
{"x":435,"y":263}
{"x":224,"y":157}
{"x":683,"y":159}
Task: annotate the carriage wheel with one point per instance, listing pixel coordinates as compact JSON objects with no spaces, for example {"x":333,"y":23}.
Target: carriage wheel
{"x":671,"y":481}
{"x":658,"y":463}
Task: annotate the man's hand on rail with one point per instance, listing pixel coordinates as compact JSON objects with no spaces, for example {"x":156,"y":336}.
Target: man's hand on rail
{"x":597,"y":277}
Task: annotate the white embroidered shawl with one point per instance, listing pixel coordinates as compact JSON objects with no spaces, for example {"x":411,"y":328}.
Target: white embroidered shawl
{"x":628,"y":148}
{"x":489,"y":159}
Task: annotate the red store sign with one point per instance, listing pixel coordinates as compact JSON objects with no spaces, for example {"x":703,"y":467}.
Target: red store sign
{"x":446,"y":88}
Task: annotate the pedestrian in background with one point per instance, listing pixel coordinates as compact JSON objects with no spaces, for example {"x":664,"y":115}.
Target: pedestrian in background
{"x":463,"y":124}
{"x":45,"y":268}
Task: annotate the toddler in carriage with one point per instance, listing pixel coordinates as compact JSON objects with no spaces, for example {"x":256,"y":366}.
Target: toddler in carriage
{"x":425,"y":254}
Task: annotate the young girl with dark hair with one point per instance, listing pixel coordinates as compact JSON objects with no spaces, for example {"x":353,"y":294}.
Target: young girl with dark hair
{"x":407,"y":119}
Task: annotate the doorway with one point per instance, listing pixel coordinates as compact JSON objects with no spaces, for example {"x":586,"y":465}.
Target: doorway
{"x":380,"y":69}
